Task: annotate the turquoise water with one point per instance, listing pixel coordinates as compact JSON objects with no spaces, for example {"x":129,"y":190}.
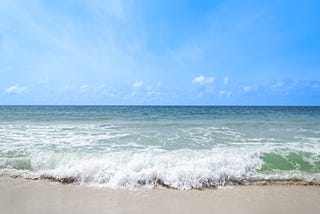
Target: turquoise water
{"x":178,"y":147}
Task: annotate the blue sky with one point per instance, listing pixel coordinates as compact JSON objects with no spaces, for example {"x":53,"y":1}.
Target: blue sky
{"x":179,"y":52}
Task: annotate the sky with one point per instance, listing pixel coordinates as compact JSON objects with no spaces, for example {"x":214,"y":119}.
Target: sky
{"x":159,"y":52}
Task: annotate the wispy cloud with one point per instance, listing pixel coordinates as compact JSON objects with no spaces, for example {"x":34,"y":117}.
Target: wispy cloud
{"x":114,"y":8}
{"x":84,"y":88}
{"x":226,"y":80}
{"x":100,"y":87}
{"x":137,"y":85}
{"x":225,"y":93}
{"x":15,"y":89}
{"x":151,"y":91}
{"x":201,"y":80}
{"x":277,"y":85}
{"x":67,"y":88}
{"x":247,"y":88}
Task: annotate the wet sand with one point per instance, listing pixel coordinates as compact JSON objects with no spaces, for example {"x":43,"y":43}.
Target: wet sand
{"x":28,"y":196}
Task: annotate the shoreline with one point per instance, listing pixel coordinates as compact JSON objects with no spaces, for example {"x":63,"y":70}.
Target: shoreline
{"x":257,"y":182}
{"x":20,"y":195}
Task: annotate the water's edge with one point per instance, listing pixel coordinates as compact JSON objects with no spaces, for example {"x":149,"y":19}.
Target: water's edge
{"x":229,"y":184}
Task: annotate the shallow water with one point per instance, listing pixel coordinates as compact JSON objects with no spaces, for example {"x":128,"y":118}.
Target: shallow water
{"x":178,"y":147}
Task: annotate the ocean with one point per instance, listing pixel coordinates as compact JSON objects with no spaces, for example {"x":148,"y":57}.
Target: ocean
{"x":182,"y":147}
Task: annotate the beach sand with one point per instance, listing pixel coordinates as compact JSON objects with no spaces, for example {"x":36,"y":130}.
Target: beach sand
{"x":29,"y":196}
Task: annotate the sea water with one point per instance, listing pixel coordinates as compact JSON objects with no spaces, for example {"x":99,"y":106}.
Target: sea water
{"x":180,"y":147}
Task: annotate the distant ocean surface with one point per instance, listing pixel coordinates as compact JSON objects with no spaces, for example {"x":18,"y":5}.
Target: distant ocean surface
{"x":173,"y":146}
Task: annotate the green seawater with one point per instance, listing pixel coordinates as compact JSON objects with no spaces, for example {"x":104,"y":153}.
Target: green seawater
{"x":302,"y":161}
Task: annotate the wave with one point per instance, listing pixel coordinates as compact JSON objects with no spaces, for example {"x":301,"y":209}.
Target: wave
{"x":180,"y":169}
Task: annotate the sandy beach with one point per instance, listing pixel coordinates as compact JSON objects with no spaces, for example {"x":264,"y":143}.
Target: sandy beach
{"x":29,"y":196}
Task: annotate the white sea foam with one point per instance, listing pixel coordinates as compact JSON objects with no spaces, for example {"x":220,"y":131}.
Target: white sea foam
{"x":181,"y":169}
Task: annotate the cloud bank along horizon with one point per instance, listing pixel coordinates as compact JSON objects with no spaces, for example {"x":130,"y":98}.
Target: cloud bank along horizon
{"x":160,"y":52}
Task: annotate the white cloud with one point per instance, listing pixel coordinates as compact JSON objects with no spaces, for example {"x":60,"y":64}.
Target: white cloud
{"x":84,"y":88}
{"x":226,"y":80}
{"x":278,"y":85}
{"x":67,"y":88}
{"x":111,"y":94}
{"x":15,"y":89}
{"x":203,"y":80}
{"x":133,"y":93}
{"x":225,"y":93}
{"x":246,"y":88}
{"x":137,"y":85}
{"x":100,"y":87}
{"x":149,"y":89}
{"x":153,"y":90}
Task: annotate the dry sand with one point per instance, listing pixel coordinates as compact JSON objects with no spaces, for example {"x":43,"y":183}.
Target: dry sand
{"x":27,"y":196}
